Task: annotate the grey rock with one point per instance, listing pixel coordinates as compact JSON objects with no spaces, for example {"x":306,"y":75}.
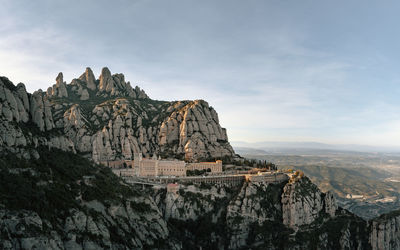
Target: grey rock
{"x":121,"y":124}
{"x":89,"y":78}
{"x":84,"y":95}
{"x":61,"y":86}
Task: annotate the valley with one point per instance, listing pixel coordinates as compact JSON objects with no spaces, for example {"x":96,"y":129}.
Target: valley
{"x":365,"y":183}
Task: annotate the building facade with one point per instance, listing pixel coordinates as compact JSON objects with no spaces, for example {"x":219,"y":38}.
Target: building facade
{"x":171,"y":168}
{"x":157,"y":167}
{"x":150,"y":167}
{"x":215,"y":167}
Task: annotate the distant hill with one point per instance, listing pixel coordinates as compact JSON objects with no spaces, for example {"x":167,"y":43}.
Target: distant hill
{"x":294,"y":147}
{"x":360,"y":174}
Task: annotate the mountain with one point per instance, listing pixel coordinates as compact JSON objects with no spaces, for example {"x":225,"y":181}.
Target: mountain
{"x":107,"y":119}
{"x":54,"y":195}
{"x":63,"y":201}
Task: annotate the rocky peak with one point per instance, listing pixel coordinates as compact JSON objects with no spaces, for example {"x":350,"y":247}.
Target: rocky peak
{"x":107,"y":119}
{"x":108,"y":86}
{"x":106,"y":82}
{"x":59,"y":79}
{"x":5,"y":82}
{"x":115,"y":85}
{"x":60,"y":88}
{"x":89,"y":78}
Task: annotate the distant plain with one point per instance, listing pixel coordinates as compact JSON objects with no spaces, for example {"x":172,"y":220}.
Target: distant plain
{"x":366,"y":183}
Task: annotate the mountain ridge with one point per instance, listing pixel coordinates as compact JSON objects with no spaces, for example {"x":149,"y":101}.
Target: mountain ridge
{"x":65,"y":201}
{"x":107,"y":119}
{"x":310,"y":145}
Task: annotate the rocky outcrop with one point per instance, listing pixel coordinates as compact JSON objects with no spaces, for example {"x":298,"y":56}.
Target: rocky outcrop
{"x":107,"y":119}
{"x":83,"y":230}
{"x":385,"y":232}
{"x":59,"y":89}
{"x":89,"y":79}
{"x":190,"y":202}
{"x":115,"y":85}
{"x":300,"y":209}
{"x":193,"y":129}
{"x":14,"y":104}
{"x":81,"y":206}
{"x":40,"y":109}
{"x":330,"y":204}
{"x":303,"y":202}
{"x":64,"y":201}
{"x":252,"y":215}
{"x":256,"y":204}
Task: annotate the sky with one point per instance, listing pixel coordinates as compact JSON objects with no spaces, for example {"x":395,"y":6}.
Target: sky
{"x":322,"y":71}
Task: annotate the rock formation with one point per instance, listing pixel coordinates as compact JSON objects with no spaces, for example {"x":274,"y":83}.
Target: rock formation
{"x":302,"y":210}
{"x":107,"y":119}
{"x":89,"y":79}
{"x":385,"y":231}
{"x":90,"y":208}
{"x":66,"y":202}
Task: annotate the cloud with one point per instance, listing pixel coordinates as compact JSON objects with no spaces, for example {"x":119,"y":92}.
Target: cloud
{"x":269,"y":70}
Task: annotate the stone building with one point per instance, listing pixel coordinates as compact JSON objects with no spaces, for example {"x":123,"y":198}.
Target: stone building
{"x":216,"y":167}
{"x":157,"y":167}
{"x":150,"y":167}
{"x":171,"y":168}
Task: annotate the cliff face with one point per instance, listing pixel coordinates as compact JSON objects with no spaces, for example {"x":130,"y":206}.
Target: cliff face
{"x":27,"y":230}
{"x":59,"y":200}
{"x":302,"y":210}
{"x":385,"y":231}
{"x":107,"y":119}
{"x":260,"y":216}
{"x":63,"y":201}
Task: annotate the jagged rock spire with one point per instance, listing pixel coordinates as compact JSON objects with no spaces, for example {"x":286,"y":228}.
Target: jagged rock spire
{"x":59,"y":78}
{"x":106,"y":81}
{"x":61,"y":86}
{"x":89,"y":78}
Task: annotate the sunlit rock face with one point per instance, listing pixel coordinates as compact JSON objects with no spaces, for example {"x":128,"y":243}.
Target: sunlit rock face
{"x":108,"y":119}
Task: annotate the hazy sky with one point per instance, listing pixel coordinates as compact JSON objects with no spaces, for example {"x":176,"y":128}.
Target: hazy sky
{"x":325,"y":71}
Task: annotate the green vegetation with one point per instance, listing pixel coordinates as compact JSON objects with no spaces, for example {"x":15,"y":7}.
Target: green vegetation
{"x":263,"y":164}
{"x":195,"y":233}
{"x":270,"y":198}
{"x":388,"y":216}
{"x":31,"y":127}
{"x":333,"y":228}
{"x":305,"y":188}
{"x":254,"y":163}
{"x":343,"y":181}
{"x":8,"y":83}
{"x":197,"y":172}
{"x":350,"y":173}
{"x":52,"y":184}
{"x":269,"y":233}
